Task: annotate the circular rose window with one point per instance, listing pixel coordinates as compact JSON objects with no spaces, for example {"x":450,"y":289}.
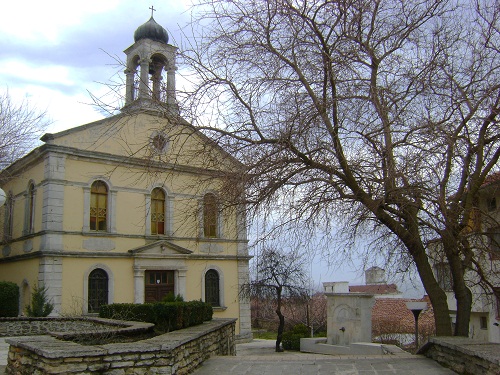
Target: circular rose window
{"x":159,"y":142}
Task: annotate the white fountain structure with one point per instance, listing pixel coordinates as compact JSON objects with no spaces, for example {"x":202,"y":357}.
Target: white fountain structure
{"x":349,"y":324}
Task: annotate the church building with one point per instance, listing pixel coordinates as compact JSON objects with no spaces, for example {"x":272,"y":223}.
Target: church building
{"x":129,"y":208}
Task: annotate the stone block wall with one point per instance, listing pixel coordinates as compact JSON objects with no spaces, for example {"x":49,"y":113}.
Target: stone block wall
{"x":464,"y":355}
{"x":178,"y":352}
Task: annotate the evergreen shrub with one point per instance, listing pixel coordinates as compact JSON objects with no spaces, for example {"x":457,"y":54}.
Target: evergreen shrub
{"x":40,"y":306}
{"x":166,"y":316}
{"x":171,"y":297}
{"x":291,"y":339}
{"x":9,"y":299}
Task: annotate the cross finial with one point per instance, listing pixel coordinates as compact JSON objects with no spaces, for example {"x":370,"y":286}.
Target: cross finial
{"x":152,"y":10}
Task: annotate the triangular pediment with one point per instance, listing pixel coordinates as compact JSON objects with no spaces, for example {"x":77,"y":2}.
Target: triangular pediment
{"x":161,"y":247}
{"x":135,"y":135}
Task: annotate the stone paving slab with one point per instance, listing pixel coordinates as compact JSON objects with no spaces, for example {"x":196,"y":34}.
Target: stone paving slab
{"x":258,"y":357}
{"x":373,"y":366}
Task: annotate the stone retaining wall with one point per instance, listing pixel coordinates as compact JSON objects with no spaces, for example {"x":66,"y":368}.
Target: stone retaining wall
{"x":464,"y":355}
{"x":178,"y":352}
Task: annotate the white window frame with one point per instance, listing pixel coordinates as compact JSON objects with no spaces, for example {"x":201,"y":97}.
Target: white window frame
{"x":168,"y":211}
{"x":111,"y":285}
{"x":222,"y":305}
{"x":201,"y":218}
{"x":29,"y":212}
{"x":110,"y":209}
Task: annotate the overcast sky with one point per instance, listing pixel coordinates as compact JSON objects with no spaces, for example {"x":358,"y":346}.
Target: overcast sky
{"x":53,"y":52}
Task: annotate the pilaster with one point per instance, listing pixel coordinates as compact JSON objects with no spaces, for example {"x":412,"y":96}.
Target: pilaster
{"x":147,"y":224}
{"x":50,"y":276}
{"x":144,"y":79}
{"x":130,"y":88}
{"x":245,"y":319}
{"x":53,"y":201}
{"x":139,"y":285}
{"x":181,"y":285}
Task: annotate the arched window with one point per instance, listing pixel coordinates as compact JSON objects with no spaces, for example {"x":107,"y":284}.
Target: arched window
{"x":496,"y":293}
{"x":9,"y":217}
{"x":24,"y":298}
{"x":157,"y":211}
{"x":210,"y":215}
{"x":31,"y":208}
{"x":212,"y":295}
{"x":98,"y":290}
{"x":98,"y":206}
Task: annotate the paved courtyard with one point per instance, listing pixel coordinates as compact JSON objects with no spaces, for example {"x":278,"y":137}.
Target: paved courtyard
{"x":259,"y":358}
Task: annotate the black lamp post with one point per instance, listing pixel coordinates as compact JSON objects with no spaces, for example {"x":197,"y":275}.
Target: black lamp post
{"x":416,"y":308}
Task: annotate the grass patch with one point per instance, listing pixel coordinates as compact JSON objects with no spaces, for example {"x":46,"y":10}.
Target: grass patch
{"x":264,"y":335}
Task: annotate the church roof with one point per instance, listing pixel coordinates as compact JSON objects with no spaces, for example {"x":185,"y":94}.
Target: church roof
{"x":151,"y":30}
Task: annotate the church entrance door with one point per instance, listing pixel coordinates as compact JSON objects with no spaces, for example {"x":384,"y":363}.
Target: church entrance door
{"x":158,"y":285}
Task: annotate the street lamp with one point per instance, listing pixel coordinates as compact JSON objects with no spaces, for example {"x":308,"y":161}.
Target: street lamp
{"x":416,"y":308}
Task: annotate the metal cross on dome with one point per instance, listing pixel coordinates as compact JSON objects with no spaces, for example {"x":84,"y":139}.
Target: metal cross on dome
{"x":152,"y":10}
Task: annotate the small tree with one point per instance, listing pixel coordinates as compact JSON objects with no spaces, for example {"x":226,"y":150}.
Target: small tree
{"x":279,"y":274}
{"x":40,"y":306}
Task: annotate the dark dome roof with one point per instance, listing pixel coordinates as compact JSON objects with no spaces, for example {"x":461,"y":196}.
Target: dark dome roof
{"x":151,"y":30}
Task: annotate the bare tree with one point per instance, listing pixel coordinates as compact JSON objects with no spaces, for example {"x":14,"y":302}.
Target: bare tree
{"x":279,"y":274}
{"x":380,"y":115}
{"x":307,"y":310}
{"x":21,"y":125}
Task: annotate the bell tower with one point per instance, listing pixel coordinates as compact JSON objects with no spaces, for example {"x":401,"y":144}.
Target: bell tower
{"x":150,"y":71}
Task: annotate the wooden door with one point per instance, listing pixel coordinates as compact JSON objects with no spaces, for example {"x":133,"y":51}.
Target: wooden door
{"x":158,"y":285}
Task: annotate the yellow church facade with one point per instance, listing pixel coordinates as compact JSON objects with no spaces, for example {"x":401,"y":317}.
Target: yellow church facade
{"x":128,"y":209}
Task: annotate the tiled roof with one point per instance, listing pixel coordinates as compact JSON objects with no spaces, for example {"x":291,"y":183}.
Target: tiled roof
{"x":374,"y":289}
{"x":390,"y":315}
{"x":492,"y":178}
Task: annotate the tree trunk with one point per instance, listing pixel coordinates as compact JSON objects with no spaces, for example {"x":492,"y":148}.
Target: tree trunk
{"x":412,"y":240}
{"x":464,"y":306}
{"x":308,"y":318}
{"x":434,"y":291}
{"x":463,"y":296}
{"x":281,"y":325}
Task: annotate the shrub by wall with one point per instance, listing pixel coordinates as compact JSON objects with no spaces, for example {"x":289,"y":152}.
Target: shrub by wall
{"x":40,"y":306}
{"x":291,"y":339}
{"x":9,"y":299}
{"x":166,"y":316}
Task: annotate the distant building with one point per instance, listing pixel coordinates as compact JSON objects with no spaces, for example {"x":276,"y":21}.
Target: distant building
{"x":130,"y":208}
{"x":392,"y":322}
{"x":485,"y":229}
{"x":376,"y":284}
